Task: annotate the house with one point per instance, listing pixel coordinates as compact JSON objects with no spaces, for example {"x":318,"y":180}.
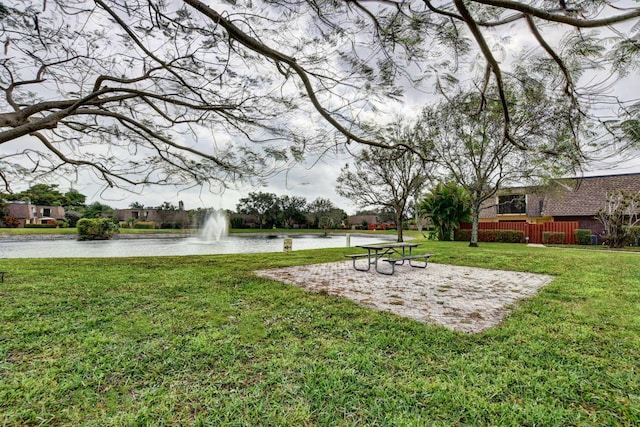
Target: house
{"x":27,"y":213}
{"x":135,"y":214}
{"x":238,"y":220}
{"x":357,"y":221}
{"x":371,"y":222}
{"x":570,"y":199}
{"x":167,"y":218}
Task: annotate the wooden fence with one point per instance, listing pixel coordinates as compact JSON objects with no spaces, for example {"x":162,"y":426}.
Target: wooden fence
{"x":533,"y":231}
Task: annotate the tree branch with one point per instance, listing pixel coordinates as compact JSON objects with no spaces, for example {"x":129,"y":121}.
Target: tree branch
{"x":568,"y":89}
{"x":495,"y":67}
{"x":560,"y":18}
{"x":258,"y":47}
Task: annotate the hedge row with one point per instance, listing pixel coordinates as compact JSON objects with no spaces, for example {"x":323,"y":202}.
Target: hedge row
{"x":583,"y":236}
{"x":500,"y":236}
{"x":145,"y":225}
{"x":553,"y":237}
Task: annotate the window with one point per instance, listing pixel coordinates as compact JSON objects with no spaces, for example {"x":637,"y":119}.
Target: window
{"x":46,"y":212}
{"x":514,"y":204}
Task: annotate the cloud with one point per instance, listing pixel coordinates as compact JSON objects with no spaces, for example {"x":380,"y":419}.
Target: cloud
{"x":311,"y":180}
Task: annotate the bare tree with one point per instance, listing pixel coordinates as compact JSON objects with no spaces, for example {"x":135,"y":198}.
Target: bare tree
{"x":470,"y":148}
{"x":619,"y":215}
{"x":143,"y":92}
{"x":384,"y":178}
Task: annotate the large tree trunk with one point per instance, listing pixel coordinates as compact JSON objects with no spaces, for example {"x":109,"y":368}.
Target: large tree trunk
{"x":399,"y":226}
{"x":475,"y":219}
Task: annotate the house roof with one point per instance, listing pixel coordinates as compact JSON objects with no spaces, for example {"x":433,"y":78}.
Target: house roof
{"x":585,"y":196}
{"x":357,"y":219}
{"x":24,"y":210}
{"x":19,"y":210}
{"x":568,"y":197}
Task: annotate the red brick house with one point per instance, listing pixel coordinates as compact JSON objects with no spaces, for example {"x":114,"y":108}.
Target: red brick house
{"x":570,"y":199}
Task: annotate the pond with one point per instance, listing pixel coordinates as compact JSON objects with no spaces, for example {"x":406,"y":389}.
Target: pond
{"x":128,"y":247}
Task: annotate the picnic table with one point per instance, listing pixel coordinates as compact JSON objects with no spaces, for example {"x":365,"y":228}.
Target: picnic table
{"x":391,"y":253}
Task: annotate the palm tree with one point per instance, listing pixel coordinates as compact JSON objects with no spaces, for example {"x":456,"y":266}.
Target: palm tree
{"x":447,"y":205}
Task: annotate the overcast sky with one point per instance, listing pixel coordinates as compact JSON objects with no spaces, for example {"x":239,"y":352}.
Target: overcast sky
{"x":310,"y":180}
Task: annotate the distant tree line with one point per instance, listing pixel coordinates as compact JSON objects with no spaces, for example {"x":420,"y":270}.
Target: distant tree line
{"x":269,"y":209}
{"x":272,"y":210}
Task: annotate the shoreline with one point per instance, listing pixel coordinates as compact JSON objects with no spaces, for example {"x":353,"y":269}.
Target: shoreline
{"x":133,"y":236}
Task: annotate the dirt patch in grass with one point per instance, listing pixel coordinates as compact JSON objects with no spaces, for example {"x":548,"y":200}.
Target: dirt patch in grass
{"x":461,"y":298}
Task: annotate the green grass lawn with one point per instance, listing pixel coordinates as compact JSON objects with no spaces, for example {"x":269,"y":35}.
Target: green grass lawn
{"x":202,"y":341}
{"x":36,"y":231}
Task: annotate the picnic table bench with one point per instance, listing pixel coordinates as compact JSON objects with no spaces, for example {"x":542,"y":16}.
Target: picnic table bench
{"x":391,"y":253}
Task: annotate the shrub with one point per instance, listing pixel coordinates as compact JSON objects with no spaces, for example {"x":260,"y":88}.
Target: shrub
{"x":96,"y":228}
{"x":145,"y":225}
{"x":487,"y":235}
{"x":129,"y":223}
{"x":501,"y":236}
{"x":10,"y":221}
{"x":553,"y":238}
{"x":172,"y":225}
{"x":583,"y":236}
{"x":238,"y":222}
{"x":462,"y":235}
{"x":510,"y":236}
{"x":72,"y":217}
{"x":634,"y":233}
{"x":40,"y":225}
